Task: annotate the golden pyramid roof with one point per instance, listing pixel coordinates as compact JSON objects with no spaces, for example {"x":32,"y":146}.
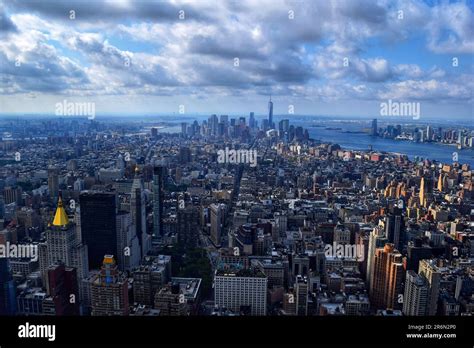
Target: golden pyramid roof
{"x":60,"y":218}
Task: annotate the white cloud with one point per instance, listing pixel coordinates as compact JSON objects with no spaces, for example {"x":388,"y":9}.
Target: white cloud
{"x":301,"y":56}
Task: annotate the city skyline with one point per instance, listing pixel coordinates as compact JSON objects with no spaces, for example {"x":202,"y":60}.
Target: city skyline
{"x":204,"y":57}
{"x":298,"y":163}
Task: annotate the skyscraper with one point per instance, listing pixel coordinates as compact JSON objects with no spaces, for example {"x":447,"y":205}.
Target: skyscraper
{"x":158,"y":196}
{"x":224,"y":119}
{"x":53,"y":182}
{"x":417,"y":251}
{"x":283,"y":126}
{"x":213,"y":124}
{"x":431,"y":273}
{"x":415,"y":298}
{"x":188,"y":226}
{"x":184,"y":129}
{"x":422,"y":191}
{"x":61,"y":237}
{"x":426,"y":190}
{"x":387,"y":278}
{"x":429,"y":133}
{"x":270,"y":114}
{"x":64,"y":247}
{"x":442,"y":182}
{"x":374,"y":130}
{"x":377,"y":239}
{"x":252,"y":120}
{"x":128,"y":249}
{"x":301,"y":289}
{"x":217,"y":216}
{"x":138,"y":212}
{"x":394,"y":228}
{"x":99,"y":225}
{"x":109,"y":290}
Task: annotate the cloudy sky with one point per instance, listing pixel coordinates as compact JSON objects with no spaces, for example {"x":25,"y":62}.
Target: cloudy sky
{"x":323,"y":57}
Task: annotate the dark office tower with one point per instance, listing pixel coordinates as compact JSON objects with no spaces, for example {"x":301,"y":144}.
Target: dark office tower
{"x":154,"y":132}
{"x":305,"y":135}
{"x":7,"y":289}
{"x":99,"y":225}
{"x":158,"y":196}
{"x":270,"y":114}
{"x":194,"y":129}
{"x":374,"y":130}
{"x":416,"y":252}
{"x":53,"y":183}
{"x":188,"y":225}
{"x":299,"y":133}
{"x":281,"y":132}
{"x":394,"y":228}
{"x":242,"y":121}
{"x":138,"y":212}
{"x":213,"y":124}
{"x":252,"y":120}
{"x":291,"y":133}
{"x":184,"y":155}
{"x":184,"y":129}
{"x":220,"y":129}
{"x":63,"y":288}
{"x":283,"y":126}
{"x":225,"y":120}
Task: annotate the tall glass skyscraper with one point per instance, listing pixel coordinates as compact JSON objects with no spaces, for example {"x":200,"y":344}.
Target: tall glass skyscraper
{"x":270,"y":114}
